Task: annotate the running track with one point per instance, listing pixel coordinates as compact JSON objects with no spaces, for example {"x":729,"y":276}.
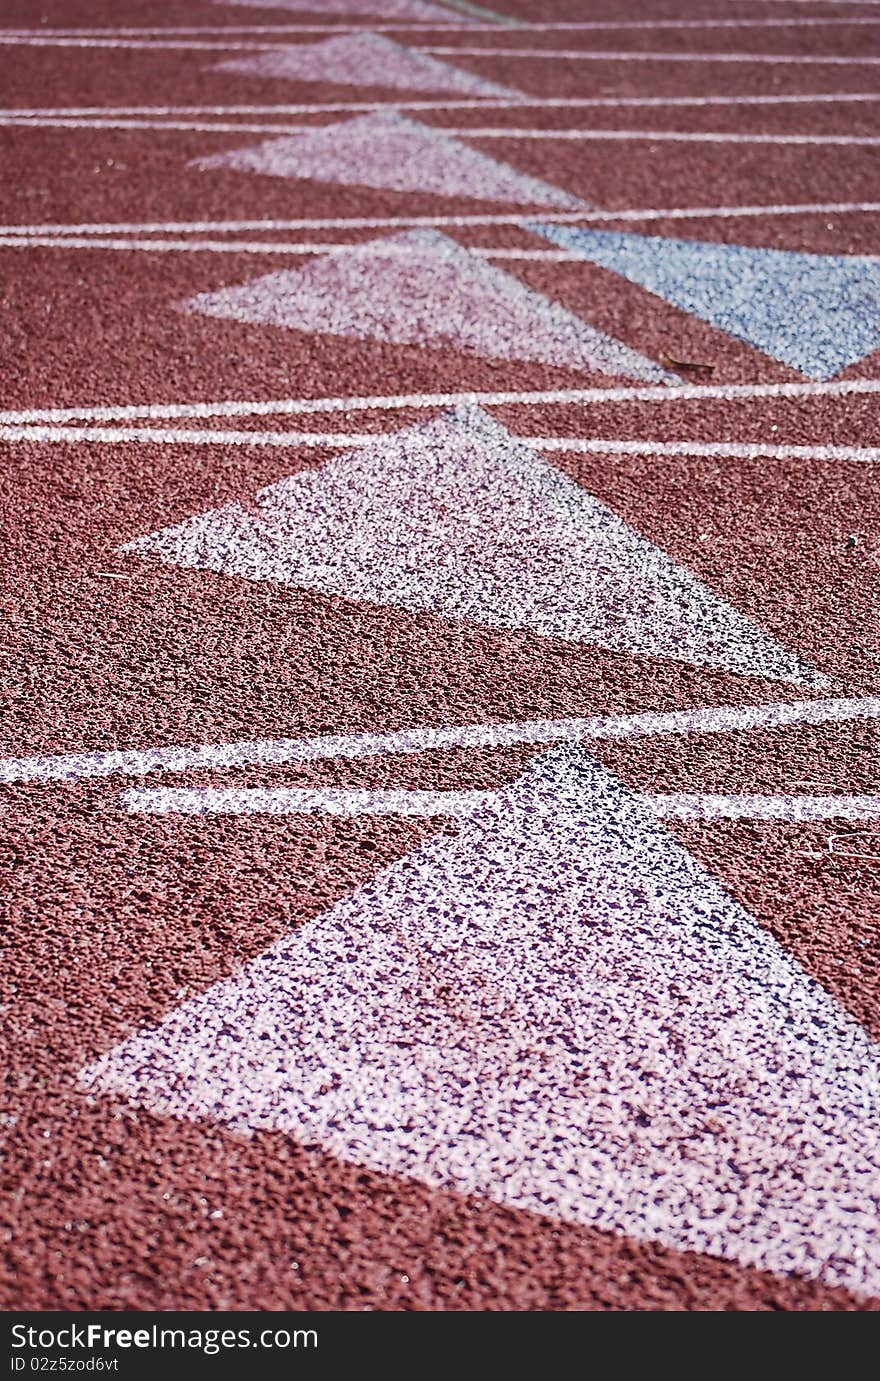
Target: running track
{"x":439,"y":790}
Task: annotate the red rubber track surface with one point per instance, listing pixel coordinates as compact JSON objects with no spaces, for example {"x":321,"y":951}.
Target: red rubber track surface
{"x":112,"y":920}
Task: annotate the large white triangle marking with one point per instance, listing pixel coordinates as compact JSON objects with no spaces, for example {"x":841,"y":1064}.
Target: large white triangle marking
{"x":422,"y":288}
{"x":366,"y":60}
{"x":458,"y":517}
{"x":388,"y":151}
{"x":561,"y":1010}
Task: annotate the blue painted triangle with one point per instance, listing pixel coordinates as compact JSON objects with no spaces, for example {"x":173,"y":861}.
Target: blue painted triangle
{"x":817,"y":313}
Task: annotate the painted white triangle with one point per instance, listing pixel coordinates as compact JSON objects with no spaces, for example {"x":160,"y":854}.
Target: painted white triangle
{"x":561,"y":1010}
{"x":366,"y":60}
{"x":422,"y":288}
{"x":817,"y":313}
{"x":388,"y":151}
{"x":458,"y":517}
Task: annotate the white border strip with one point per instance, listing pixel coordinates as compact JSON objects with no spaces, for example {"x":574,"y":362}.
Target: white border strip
{"x":302,"y":801}
{"x":520,"y":102}
{"x":517,"y":218}
{"x":257,"y":247}
{"x":460,"y":26}
{"x":182,"y":436}
{"x":60,"y":767}
{"x":348,"y":803}
{"x":582,"y":55}
{"x":856,"y":4}
{"x":73,"y":39}
{"x":277,"y":407}
{"x":583,"y":136}
{"x":797,"y":809}
{"x":657,"y":136}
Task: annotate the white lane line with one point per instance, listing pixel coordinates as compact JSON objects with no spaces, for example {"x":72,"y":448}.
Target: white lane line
{"x":416,"y":26}
{"x":256,"y":247}
{"x":302,"y":801}
{"x":170,"y":436}
{"x":523,"y":102}
{"x":855,"y":4}
{"x":156,"y":246}
{"x":461,"y":132}
{"x":797,"y":809}
{"x":200,"y":126}
{"x":59,"y":767}
{"x":41,"y":40}
{"x":182,"y":436}
{"x":348,"y":803}
{"x":456,"y":26}
{"x":276,"y":407}
{"x":580,"y":55}
{"x":180,"y":31}
{"x":73,"y":39}
{"x":670,"y":136}
{"x":519,"y":218}
{"x":730,"y":450}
